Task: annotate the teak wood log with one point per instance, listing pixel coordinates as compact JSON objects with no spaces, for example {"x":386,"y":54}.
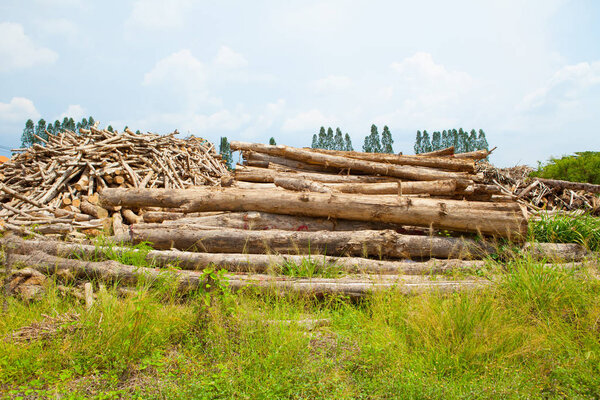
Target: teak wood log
{"x":264,"y":175}
{"x":369,"y":167}
{"x":257,"y":263}
{"x":505,"y":220}
{"x":114,"y":272}
{"x":382,"y":244}
{"x":420,"y":160}
{"x":588,"y":187}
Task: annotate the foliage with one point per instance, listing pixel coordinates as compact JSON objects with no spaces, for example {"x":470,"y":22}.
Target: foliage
{"x":533,"y":335}
{"x":225,"y":151}
{"x":462,"y":141}
{"x":386,"y":141}
{"x":272,"y":141}
{"x":42,"y":129}
{"x":584,"y":229}
{"x":372,"y":142}
{"x":310,"y":267}
{"x":329,"y":141}
{"x":581,"y":167}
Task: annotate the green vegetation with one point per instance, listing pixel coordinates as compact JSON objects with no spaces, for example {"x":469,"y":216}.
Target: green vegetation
{"x":225,"y":151}
{"x":462,"y":141}
{"x":582,"y":167}
{"x":583,"y":229}
{"x":28,"y":138}
{"x":327,"y":140}
{"x":534,"y":334}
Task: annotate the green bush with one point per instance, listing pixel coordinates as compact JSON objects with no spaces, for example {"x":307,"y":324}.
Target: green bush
{"x":583,"y":229}
{"x":582,"y":167}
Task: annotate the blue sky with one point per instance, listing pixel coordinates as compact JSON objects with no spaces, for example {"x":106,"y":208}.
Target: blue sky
{"x":527,"y":72}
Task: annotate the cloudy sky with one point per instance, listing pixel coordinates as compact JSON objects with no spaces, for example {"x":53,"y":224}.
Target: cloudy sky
{"x":527,"y":72}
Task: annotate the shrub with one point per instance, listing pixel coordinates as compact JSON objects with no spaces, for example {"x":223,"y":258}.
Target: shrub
{"x":582,"y":167}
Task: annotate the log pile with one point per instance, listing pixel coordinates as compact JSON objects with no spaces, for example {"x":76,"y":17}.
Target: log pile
{"x":53,"y":187}
{"x":543,"y":196}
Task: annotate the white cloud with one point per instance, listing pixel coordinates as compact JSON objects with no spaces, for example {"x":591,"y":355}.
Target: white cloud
{"x":74,"y":111}
{"x":159,"y":14}
{"x":307,"y":121}
{"x":565,"y":88}
{"x":180,"y":67}
{"x":18,"y":109}
{"x":227,"y":58}
{"x":60,"y":26}
{"x":17,"y":50}
{"x":332,"y":83}
{"x":60,"y":3}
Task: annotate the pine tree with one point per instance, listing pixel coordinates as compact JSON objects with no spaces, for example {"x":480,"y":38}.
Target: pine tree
{"x":40,"y":130}
{"x":436,"y":141}
{"x":455,"y":141}
{"x":329,"y":139}
{"x":472,"y":140}
{"x":348,"y":143}
{"x":272,"y":141}
{"x":444,"y":143}
{"x":27,"y":138}
{"x":426,"y":142}
{"x":91,"y":121}
{"x":138,"y":132}
{"x":463,"y":140}
{"x":338,"y":140}
{"x":57,"y":129}
{"x":375,"y":141}
{"x":315,"y":142}
{"x":482,"y":143}
{"x":322,"y":138}
{"x":110,"y":129}
{"x":367,"y":146}
{"x":225,"y":151}
{"x":418,"y":143}
{"x":387,"y":141}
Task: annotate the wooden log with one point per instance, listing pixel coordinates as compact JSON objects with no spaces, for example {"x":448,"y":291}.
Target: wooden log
{"x":131,"y":217}
{"x":382,"y":244}
{"x":253,"y":174}
{"x":117,"y":225}
{"x":475,"y":155}
{"x":588,"y":187}
{"x":448,"y":151}
{"x":504,"y":220}
{"x":92,"y":209}
{"x":558,"y":252}
{"x":301,"y":185}
{"x":374,"y":168}
{"x":258,"y":263}
{"x":114,"y":272}
{"x":260,"y":160}
{"x":434,"y":188}
{"x":420,"y":160}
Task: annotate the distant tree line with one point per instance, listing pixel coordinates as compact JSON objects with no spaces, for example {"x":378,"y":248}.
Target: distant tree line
{"x":42,"y":129}
{"x":327,"y":140}
{"x":462,"y":141}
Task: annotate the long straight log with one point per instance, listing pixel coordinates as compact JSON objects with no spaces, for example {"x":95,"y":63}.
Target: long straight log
{"x":112,"y":271}
{"x":505,"y":220}
{"x":264,"y":175}
{"x":260,"y":160}
{"x":475,"y":155}
{"x":369,"y":167}
{"x":301,"y":185}
{"x":434,"y":188}
{"x":588,"y":187}
{"x":256,"y":263}
{"x":452,"y":164}
{"x":381,"y":244}
{"x":448,"y":151}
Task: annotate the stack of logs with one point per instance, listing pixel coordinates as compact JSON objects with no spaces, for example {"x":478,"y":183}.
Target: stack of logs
{"x":52,"y":187}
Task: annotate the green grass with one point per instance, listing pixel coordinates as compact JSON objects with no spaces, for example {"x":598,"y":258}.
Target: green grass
{"x":583,"y":229}
{"x":535,"y":334}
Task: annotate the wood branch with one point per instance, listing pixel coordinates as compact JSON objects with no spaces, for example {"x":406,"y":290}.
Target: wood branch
{"x":588,"y":187}
{"x":131,"y":217}
{"x":505,"y":220}
{"x":253,"y":174}
{"x":117,"y":225}
{"x":369,"y":167}
{"x":92,"y":209}
{"x":448,"y":151}
{"x":114,"y":272}
{"x":420,"y":160}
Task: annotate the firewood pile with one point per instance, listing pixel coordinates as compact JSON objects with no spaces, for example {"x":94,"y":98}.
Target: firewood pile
{"x":543,"y":196}
{"x":53,"y":188}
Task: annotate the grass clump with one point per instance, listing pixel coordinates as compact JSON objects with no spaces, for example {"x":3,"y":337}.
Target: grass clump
{"x":583,"y":229}
{"x":310,"y":268}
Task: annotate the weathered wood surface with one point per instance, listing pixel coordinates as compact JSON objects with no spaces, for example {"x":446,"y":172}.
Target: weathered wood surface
{"x":500,"y":219}
{"x":253,"y":174}
{"x":302,"y":185}
{"x":557,"y":251}
{"x":448,"y":151}
{"x":588,"y":187}
{"x":358,"y":286}
{"x":256,"y":263}
{"x":369,"y":167}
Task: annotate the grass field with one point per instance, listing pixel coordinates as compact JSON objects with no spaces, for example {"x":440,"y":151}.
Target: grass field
{"x":536,"y":334}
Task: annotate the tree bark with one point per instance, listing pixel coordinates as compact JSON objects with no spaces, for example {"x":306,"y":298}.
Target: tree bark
{"x":264,"y":175}
{"x":259,"y":160}
{"x":374,"y":168}
{"x":475,"y":155}
{"x":92,"y":209}
{"x":114,"y":272}
{"x":435,"y":188}
{"x":301,"y":185}
{"x":556,"y":251}
{"x":588,"y":187}
{"x":381,"y":244}
{"x":420,"y":160}
{"x":505,"y":220}
{"x":448,"y":151}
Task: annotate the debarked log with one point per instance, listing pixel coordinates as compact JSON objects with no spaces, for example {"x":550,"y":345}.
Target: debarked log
{"x":114,"y":272}
{"x":500,"y":219}
{"x":380,"y":244}
{"x":264,"y":175}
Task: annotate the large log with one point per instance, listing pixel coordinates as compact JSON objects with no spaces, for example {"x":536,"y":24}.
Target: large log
{"x":114,"y":272}
{"x":255,"y":263}
{"x":474,"y":155}
{"x":448,"y":151}
{"x":260,"y":160}
{"x":381,"y":244}
{"x":374,"y":168}
{"x":588,"y":187}
{"x":505,"y":220}
{"x":420,"y":160}
{"x":264,"y":175}
{"x":301,"y":185}
{"x":434,"y":188}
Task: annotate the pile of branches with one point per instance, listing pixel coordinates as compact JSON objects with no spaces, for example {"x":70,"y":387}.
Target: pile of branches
{"x":543,"y":196}
{"x":53,"y":187}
